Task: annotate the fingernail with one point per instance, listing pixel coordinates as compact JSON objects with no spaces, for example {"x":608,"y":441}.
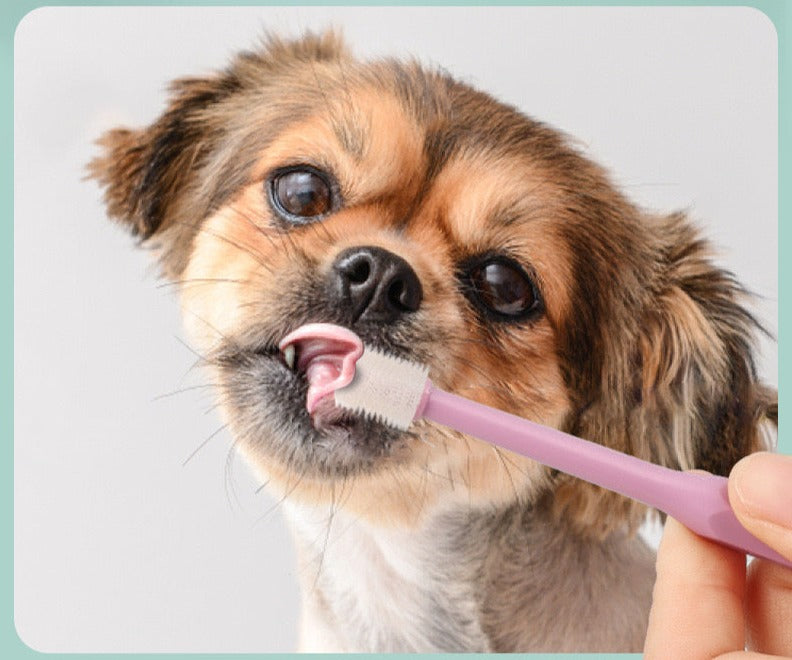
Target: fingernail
{"x":763,"y":483}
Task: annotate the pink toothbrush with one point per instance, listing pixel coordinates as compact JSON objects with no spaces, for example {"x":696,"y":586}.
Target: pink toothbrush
{"x":398,"y":392}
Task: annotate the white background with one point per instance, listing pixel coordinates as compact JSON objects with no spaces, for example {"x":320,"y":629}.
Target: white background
{"x":118,"y":546}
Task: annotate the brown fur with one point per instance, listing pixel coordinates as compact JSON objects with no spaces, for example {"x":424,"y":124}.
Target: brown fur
{"x":644,"y":344}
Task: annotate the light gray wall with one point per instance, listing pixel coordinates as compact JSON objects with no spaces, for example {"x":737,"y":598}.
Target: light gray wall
{"x":118,"y":546}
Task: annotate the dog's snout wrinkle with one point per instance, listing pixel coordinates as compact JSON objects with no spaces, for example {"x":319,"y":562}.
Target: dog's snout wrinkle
{"x":375,"y":284}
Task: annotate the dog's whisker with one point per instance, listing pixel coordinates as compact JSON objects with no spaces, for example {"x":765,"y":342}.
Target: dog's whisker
{"x":184,"y":390}
{"x":228,"y":483}
{"x":322,"y":232}
{"x":246,"y":249}
{"x":252,"y":222}
{"x":289,"y":244}
{"x":201,"y":358}
{"x":321,"y":557}
{"x":517,"y":467}
{"x":329,"y":543}
{"x":517,"y":496}
{"x":499,"y":454}
{"x":219,"y":403}
{"x":283,"y":237}
{"x":269,"y":236}
{"x":258,"y":490}
{"x":201,"y":280}
{"x":279,"y":502}
{"x":344,"y":483}
{"x":503,"y":390}
{"x":204,"y":443}
{"x":225,"y":338}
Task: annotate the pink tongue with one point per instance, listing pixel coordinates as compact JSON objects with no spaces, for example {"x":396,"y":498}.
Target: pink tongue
{"x":327,"y":354}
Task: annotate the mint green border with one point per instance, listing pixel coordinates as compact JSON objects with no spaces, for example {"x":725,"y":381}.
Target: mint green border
{"x":12,"y":12}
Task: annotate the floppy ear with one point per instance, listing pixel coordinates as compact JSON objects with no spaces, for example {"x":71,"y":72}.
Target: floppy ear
{"x":144,"y":172}
{"x":701,"y":405}
{"x":680,"y":385}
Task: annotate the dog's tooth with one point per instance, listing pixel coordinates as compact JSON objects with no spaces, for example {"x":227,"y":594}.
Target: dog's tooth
{"x":289,"y":354}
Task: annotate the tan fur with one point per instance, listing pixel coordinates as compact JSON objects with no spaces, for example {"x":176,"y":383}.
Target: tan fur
{"x":641,"y":342}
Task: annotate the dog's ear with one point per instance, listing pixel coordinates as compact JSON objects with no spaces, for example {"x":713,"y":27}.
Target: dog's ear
{"x":700,"y":404}
{"x":145,"y":172}
{"x":683,"y":389}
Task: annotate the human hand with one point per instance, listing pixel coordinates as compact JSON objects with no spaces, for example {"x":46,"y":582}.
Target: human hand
{"x":706,"y":605}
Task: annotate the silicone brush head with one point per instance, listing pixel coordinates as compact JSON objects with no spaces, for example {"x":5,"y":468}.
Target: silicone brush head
{"x":385,"y":388}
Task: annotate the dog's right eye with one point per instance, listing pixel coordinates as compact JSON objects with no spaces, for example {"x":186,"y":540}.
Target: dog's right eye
{"x":501,"y":288}
{"x":301,"y":194}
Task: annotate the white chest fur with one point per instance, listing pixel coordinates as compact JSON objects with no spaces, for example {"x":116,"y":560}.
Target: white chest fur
{"x":382,"y":590}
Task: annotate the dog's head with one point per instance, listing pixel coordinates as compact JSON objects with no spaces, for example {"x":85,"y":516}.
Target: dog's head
{"x":301,"y":185}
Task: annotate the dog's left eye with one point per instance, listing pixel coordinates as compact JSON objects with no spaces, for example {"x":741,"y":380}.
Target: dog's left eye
{"x":301,"y":194}
{"x":501,"y":288}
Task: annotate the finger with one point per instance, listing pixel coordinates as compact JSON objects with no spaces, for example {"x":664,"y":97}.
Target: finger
{"x":768,"y":604}
{"x":760,"y":492}
{"x":697,"y":607}
{"x":749,"y":655}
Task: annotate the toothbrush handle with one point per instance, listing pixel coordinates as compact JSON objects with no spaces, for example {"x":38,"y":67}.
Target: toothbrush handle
{"x":699,"y":501}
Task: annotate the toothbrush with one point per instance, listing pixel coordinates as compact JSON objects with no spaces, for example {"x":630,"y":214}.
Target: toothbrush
{"x":397,"y":392}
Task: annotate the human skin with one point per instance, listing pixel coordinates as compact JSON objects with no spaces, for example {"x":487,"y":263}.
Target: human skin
{"x":706,"y":603}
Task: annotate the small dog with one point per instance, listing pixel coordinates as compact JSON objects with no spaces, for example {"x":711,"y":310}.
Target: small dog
{"x":301,"y":185}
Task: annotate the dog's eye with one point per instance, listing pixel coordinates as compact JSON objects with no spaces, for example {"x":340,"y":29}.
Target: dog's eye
{"x":501,"y":288}
{"x":301,"y":194}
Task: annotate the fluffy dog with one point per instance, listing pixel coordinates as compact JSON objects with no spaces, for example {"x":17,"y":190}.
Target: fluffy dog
{"x":301,"y":185}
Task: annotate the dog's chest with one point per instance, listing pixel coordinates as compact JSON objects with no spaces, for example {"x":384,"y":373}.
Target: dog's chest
{"x":380,"y":590}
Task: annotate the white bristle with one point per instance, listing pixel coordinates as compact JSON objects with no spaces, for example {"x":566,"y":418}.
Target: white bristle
{"x":385,"y":388}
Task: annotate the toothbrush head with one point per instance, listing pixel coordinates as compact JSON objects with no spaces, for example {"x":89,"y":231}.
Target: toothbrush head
{"x":385,"y":389}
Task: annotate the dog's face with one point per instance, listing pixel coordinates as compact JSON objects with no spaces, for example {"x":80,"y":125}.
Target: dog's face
{"x":301,"y":186}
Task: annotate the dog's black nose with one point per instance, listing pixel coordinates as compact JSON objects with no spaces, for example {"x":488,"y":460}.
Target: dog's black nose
{"x":375,"y":284}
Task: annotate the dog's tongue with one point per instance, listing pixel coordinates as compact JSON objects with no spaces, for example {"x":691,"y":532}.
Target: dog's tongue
{"x":326,"y":354}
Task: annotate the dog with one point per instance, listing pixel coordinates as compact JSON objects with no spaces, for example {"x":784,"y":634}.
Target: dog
{"x":301,"y":185}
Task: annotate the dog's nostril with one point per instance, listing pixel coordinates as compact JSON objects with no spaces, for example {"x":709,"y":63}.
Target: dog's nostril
{"x":359,"y":271}
{"x":395,"y":293}
{"x":375,"y":284}
{"x":402,"y":296}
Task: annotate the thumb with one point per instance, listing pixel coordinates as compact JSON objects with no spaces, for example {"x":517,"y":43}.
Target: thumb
{"x":760,"y":493}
